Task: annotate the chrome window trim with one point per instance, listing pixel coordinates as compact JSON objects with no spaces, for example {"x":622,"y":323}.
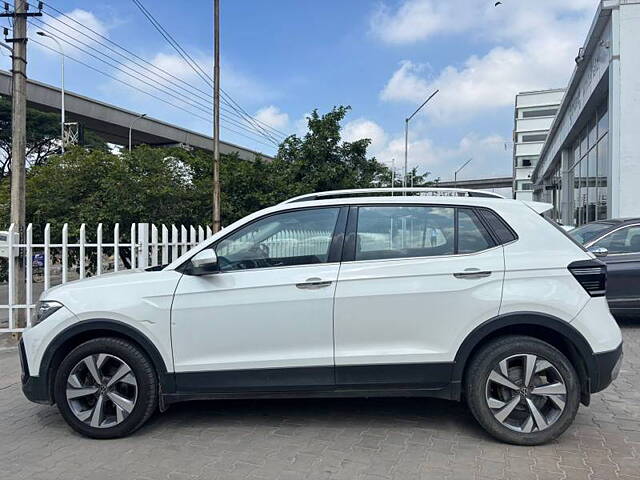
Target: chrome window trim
{"x":593,"y":242}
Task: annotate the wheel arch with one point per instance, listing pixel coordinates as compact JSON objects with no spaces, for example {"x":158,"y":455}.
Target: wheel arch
{"x":561,"y":334}
{"x":76,"y":334}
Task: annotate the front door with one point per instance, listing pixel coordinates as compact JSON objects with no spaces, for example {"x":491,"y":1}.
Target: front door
{"x":623,"y":269}
{"x":265,"y":320}
{"x":420,"y":278}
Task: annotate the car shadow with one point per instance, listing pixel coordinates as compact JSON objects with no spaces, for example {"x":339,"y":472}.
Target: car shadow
{"x":328,"y":413}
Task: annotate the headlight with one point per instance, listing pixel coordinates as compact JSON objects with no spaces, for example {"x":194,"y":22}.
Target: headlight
{"x":43,"y":310}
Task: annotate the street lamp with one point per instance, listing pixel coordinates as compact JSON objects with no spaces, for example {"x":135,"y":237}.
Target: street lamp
{"x":406,"y":136}
{"x":131,"y":126}
{"x":455,"y":174}
{"x":62,"y":120}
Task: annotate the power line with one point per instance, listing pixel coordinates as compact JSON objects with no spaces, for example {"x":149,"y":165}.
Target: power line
{"x":164,"y":73}
{"x":129,"y":67}
{"x":196,"y":67}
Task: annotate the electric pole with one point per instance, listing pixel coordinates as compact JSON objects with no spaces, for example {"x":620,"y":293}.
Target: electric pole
{"x":19,"y":143}
{"x":216,"y":116}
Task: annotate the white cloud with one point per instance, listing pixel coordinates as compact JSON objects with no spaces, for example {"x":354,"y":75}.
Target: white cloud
{"x":417,"y":20}
{"x":66,"y":30}
{"x":273,"y":117}
{"x":363,"y":128}
{"x":534,"y":44}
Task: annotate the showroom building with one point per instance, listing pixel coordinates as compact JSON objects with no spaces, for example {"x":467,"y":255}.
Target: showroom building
{"x":589,"y":166}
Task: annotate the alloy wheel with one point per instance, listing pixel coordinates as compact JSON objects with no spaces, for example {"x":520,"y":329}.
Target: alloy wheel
{"x":101,"y":390}
{"x":526,"y":393}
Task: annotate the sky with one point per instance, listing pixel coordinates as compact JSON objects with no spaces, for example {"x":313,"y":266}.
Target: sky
{"x":281,"y":59}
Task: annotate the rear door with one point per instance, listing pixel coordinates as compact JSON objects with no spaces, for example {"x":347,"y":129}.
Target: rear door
{"x":623,"y":268}
{"x":414,"y":280}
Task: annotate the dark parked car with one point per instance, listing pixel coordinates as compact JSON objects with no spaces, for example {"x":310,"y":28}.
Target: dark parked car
{"x":617,"y":243}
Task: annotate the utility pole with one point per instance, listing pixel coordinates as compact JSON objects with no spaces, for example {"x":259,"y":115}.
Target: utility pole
{"x":19,"y":143}
{"x":216,"y":116}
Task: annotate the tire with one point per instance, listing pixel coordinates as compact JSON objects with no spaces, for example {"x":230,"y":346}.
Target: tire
{"x":112,"y":388}
{"x":509,"y":415}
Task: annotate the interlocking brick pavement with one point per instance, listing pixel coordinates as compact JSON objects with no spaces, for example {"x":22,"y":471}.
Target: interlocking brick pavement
{"x":375,"y":439}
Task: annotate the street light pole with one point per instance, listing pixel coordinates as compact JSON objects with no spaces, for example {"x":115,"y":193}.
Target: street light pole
{"x":406,"y":136}
{"x":131,"y":127}
{"x":216,"y":117}
{"x":62,"y":110}
{"x":455,"y":174}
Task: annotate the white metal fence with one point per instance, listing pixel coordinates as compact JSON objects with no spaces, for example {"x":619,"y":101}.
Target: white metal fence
{"x":84,"y":253}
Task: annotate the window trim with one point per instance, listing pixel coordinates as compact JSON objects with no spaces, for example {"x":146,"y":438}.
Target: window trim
{"x":349,"y":250}
{"x":335,"y":244}
{"x":611,"y":232}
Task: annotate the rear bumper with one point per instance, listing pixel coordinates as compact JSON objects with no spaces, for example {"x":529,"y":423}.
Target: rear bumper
{"x":607,"y":367}
{"x":34,"y":388}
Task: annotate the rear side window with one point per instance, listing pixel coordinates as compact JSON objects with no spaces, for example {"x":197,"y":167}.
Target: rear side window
{"x":385,"y":232}
{"x":404,"y":231}
{"x":500,"y":229}
{"x":472,"y":235}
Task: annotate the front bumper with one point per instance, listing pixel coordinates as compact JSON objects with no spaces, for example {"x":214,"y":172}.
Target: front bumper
{"x":607,"y":367}
{"x":34,"y":388}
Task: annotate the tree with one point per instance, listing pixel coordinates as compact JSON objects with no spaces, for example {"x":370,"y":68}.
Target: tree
{"x":322,"y":161}
{"x":43,"y":135}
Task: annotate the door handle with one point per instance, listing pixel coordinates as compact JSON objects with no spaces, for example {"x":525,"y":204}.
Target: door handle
{"x":313,"y":283}
{"x":471,"y":273}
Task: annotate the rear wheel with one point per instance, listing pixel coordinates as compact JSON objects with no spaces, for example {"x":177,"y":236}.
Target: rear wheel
{"x":522,"y":390}
{"x":106,"y":388}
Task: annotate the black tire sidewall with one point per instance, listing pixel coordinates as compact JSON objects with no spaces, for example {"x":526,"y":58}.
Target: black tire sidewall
{"x":142,"y":369}
{"x":485,"y":361}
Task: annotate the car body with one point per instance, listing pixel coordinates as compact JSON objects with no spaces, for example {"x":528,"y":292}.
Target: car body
{"x":335,"y":295}
{"x":617,"y":243}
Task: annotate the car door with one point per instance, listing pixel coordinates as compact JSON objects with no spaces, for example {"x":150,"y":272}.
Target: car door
{"x":265,"y":320}
{"x":623,"y":268}
{"x":415,"y":281}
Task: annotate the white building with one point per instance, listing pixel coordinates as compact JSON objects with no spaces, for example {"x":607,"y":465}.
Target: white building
{"x":534,"y":115}
{"x":589,"y":167}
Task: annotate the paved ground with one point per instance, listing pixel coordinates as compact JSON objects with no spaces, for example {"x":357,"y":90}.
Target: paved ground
{"x":322,"y":439}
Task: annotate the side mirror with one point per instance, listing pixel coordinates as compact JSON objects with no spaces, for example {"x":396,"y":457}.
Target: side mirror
{"x":204,"y":262}
{"x":599,"y":251}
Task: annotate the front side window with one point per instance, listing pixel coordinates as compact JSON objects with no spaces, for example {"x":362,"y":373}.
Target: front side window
{"x":300,"y":237}
{"x":625,"y":240}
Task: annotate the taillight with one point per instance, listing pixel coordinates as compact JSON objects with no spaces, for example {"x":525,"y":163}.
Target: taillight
{"x":592,"y":275}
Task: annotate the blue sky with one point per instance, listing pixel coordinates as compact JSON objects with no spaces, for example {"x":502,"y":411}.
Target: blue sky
{"x":283,"y":58}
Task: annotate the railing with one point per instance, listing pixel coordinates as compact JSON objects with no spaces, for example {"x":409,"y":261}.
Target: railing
{"x":47,"y":264}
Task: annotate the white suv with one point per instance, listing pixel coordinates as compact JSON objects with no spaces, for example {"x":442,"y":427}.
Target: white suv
{"x":436,"y":293}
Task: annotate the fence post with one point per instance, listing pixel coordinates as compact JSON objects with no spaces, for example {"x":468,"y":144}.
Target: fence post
{"x":143,"y":251}
{"x":29,"y":273}
{"x":200,"y":234}
{"x":99,"y":250}
{"x":65,"y":242}
{"x":185,"y":240}
{"x":165,"y":244}
{"x":174,"y":243}
{"x":47,"y":255}
{"x":132,"y":254}
{"x":209,"y":232}
{"x":116,"y":247}
{"x":154,"y":245}
{"x":83,"y":241}
{"x":193,"y":240}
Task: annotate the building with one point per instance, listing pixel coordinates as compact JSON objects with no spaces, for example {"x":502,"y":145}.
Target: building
{"x":534,"y":115}
{"x":589,"y":166}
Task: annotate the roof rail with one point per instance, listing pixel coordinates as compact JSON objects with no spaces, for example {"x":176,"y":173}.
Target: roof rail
{"x":425,"y":191}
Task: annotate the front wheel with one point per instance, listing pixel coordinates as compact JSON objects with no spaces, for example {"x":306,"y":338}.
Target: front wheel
{"x":522,"y":390}
{"x":106,"y":388}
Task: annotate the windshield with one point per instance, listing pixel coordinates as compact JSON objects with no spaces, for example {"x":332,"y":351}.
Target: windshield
{"x":586,"y":233}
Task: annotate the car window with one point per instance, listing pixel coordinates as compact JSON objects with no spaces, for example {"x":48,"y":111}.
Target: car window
{"x":404,"y":231}
{"x":291,"y":238}
{"x":472,"y":236}
{"x":624,"y":240}
{"x":591,"y":231}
